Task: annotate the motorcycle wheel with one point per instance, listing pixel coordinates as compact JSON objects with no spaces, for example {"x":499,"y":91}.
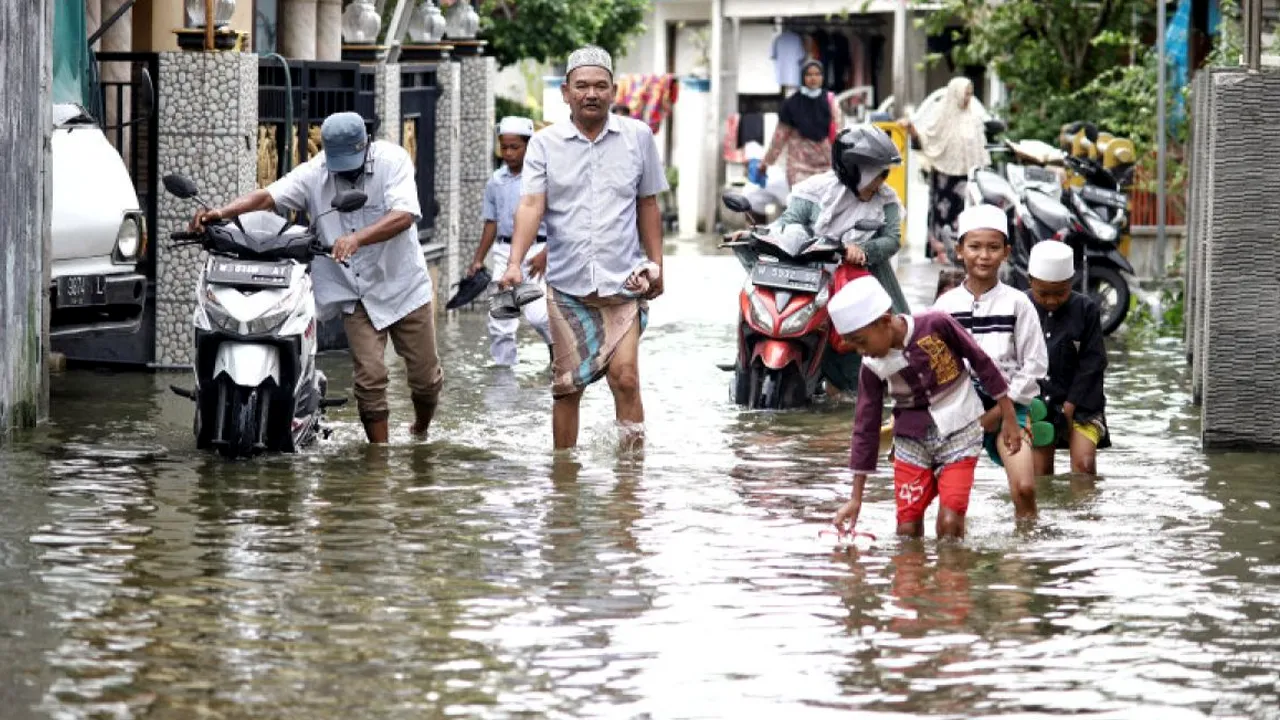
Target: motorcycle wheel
{"x":741,"y":385}
{"x":1110,"y":291}
{"x":242,"y":423}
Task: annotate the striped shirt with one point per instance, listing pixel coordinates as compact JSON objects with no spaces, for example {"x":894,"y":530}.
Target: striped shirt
{"x":1007,"y":328}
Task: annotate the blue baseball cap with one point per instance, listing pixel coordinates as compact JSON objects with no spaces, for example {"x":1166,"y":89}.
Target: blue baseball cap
{"x":345,"y":141}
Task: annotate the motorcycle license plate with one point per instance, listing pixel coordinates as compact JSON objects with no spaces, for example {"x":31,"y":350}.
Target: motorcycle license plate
{"x":81,"y":291}
{"x":250,"y":273}
{"x":1105,"y":197}
{"x":787,"y":277}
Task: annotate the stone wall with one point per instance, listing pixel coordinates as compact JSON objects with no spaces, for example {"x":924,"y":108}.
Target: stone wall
{"x":387,"y":101}
{"x":208,"y":116}
{"x":479,"y":75}
{"x":1236,"y":197}
{"x":448,"y":109}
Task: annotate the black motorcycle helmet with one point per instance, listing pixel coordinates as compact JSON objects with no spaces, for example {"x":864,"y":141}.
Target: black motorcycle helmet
{"x":862,"y":146}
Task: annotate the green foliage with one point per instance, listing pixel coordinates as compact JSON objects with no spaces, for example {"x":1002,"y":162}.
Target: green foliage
{"x":548,"y":30}
{"x":502,"y":107}
{"x":1047,"y":52}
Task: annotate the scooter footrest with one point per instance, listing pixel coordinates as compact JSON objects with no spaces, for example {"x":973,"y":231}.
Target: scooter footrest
{"x":183,"y":392}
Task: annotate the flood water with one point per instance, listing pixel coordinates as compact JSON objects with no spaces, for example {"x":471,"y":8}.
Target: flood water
{"x":475,"y":575}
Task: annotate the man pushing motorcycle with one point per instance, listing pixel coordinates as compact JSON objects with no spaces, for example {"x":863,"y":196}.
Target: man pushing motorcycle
{"x":377,"y":277}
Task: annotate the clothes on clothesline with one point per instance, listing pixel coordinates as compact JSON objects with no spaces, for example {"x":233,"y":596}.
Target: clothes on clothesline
{"x":848,"y":59}
{"x":648,"y":97}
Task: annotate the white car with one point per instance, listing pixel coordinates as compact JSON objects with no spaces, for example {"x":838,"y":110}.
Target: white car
{"x":98,"y":296}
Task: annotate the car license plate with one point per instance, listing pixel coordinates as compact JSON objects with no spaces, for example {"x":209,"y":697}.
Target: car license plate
{"x":787,"y":277}
{"x":249,"y":273}
{"x":81,"y":291}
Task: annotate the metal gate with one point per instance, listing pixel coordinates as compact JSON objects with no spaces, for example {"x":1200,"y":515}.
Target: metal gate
{"x":419,"y":92}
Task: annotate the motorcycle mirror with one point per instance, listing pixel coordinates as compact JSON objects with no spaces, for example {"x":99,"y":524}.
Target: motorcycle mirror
{"x":349,"y":201}
{"x":180,"y":186}
{"x":736,"y":202}
{"x":868,"y":225}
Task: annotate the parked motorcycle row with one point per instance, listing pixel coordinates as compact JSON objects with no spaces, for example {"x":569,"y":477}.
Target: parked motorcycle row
{"x":783,"y":327}
{"x":1090,"y":213}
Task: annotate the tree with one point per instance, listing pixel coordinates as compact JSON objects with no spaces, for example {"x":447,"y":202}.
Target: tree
{"x":548,"y":30}
{"x":1045,"y":51}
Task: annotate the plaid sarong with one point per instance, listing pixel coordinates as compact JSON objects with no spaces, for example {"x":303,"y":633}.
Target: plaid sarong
{"x":585,"y":333}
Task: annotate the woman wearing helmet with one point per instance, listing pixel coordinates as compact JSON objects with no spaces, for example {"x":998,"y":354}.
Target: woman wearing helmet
{"x":830,"y":204}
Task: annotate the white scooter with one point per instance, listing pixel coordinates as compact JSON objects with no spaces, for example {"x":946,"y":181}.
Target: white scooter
{"x":257,"y":386}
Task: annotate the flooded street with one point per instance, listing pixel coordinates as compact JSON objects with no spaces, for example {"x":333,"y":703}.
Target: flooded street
{"x":478,"y":576}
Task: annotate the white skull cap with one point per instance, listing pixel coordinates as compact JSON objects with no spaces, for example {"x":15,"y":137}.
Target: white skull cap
{"x":1051,"y":261}
{"x":514,"y":125}
{"x":858,"y":304}
{"x":589,"y":55}
{"x":982,"y":217}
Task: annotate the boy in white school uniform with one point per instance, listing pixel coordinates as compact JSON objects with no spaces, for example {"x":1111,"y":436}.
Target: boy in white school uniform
{"x":1006,"y":326}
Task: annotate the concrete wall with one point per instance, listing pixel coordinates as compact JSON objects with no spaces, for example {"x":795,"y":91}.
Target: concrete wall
{"x":1235,"y":311}
{"x":25,"y":63}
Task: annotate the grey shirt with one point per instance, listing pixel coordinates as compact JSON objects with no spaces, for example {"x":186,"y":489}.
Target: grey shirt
{"x":591,"y":189}
{"x":390,"y":278}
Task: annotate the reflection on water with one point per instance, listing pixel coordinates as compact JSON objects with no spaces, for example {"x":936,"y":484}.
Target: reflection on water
{"x":479,"y":575}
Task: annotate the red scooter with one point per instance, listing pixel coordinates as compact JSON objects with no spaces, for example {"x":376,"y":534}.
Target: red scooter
{"x":784,"y":332}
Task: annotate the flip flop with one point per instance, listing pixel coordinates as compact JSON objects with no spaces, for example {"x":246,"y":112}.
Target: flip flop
{"x":527,"y":292}
{"x":1039,"y":410}
{"x":1043,"y":434}
{"x":502,"y":305}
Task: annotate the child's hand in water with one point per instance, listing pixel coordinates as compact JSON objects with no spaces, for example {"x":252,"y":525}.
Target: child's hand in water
{"x":847,"y":516}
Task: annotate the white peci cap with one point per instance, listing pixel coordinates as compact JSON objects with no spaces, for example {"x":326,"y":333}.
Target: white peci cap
{"x":513,"y":125}
{"x":588,"y":56}
{"x":982,"y":217}
{"x":1051,"y":261}
{"x":858,"y":304}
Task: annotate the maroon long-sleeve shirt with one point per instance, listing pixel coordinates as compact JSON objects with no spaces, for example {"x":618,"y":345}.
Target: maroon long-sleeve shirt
{"x":928,"y":382}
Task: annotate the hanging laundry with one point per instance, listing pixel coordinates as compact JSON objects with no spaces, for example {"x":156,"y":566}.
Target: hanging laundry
{"x":788,"y":54}
{"x":751,"y":128}
{"x":729,"y":148}
{"x":648,"y":97}
{"x":839,"y":74}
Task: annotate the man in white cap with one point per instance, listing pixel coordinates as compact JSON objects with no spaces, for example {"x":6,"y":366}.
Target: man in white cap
{"x":594,"y":179}
{"x":1005,"y":325}
{"x":919,"y":360}
{"x":501,"y":198}
{"x":1073,"y":390}
{"x":383,"y":289}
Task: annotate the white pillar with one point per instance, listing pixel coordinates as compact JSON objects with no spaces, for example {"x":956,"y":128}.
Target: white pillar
{"x":329,"y":30}
{"x":711,"y":161}
{"x":691,"y":132}
{"x":298,"y":31}
{"x":901,"y":76}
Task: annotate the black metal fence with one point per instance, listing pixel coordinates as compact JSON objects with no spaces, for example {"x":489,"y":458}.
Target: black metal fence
{"x":317,"y":89}
{"x":419,"y":93}
{"x":126,"y":114}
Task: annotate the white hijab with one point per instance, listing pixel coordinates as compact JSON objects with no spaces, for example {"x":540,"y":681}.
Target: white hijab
{"x":841,"y":207}
{"x":952,"y":138}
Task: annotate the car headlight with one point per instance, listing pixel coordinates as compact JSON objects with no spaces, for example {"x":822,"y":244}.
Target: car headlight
{"x":1100,"y":229}
{"x":129,"y":238}
{"x":796,"y":321}
{"x":761,"y":317}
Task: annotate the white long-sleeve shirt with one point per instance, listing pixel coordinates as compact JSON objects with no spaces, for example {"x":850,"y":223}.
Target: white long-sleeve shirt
{"x":1007,"y":328}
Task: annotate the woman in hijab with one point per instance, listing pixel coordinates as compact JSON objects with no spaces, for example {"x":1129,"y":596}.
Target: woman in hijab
{"x":953,"y":143}
{"x":804,"y":130}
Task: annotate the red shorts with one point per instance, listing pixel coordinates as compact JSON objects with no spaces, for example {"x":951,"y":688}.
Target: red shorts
{"x":916,"y":487}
